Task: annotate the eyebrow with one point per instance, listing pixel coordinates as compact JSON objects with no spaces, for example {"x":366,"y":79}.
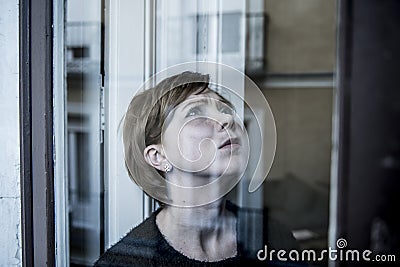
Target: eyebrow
{"x":205,"y":100}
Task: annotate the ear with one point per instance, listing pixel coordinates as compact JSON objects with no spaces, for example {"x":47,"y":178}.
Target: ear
{"x":154,"y":156}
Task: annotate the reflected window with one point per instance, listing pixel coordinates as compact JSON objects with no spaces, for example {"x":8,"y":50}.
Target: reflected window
{"x":230,"y":32}
{"x":84,"y":175}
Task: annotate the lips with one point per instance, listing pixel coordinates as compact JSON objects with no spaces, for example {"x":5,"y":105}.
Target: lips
{"x":230,"y":143}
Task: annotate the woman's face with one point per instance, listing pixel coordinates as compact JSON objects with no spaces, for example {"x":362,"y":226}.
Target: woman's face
{"x":203,"y":137}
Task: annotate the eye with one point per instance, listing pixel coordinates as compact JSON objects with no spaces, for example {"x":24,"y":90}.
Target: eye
{"x":226,"y":110}
{"x":194,"y":111}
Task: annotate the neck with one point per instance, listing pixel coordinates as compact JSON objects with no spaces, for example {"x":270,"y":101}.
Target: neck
{"x":188,"y":190}
{"x":197,"y":218}
{"x":205,"y":233}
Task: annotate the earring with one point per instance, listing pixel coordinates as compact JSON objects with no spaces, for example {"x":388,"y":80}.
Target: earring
{"x":167,"y":168}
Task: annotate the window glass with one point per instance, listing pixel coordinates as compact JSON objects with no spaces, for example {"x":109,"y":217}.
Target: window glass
{"x":84,"y":136}
{"x":299,"y":84}
{"x":287,"y":48}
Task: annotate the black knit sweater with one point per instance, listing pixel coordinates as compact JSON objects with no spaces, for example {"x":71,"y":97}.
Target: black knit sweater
{"x":146,"y":246}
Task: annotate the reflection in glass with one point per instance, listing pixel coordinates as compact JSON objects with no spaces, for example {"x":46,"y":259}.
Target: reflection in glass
{"x":287,"y":42}
{"x":83,"y":53}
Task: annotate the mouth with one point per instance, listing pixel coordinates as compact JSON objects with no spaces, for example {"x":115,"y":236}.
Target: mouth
{"x":230,"y":143}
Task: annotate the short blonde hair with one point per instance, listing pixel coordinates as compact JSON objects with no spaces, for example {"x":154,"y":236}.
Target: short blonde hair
{"x":144,"y":121}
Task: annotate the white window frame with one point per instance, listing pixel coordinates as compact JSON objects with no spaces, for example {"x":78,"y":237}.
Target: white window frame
{"x":124,"y":73}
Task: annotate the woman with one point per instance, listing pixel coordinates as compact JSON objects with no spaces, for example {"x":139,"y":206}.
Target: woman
{"x":185,"y":147}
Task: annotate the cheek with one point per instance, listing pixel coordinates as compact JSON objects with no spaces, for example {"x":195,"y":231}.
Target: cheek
{"x":190,"y":146}
{"x":196,"y":132}
{"x":200,"y":127}
{"x":192,"y":138}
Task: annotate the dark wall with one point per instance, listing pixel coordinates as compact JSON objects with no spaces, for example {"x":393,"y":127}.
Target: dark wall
{"x":369,"y":94}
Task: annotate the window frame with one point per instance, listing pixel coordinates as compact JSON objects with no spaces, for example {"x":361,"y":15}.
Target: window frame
{"x":36,"y":132}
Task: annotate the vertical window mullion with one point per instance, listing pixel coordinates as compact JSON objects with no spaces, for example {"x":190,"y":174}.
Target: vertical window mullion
{"x":37,"y":132}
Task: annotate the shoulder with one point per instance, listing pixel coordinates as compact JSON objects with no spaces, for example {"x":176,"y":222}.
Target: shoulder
{"x":257,"y":231}
{"x":257,"y":225}
{"x":139,"y":247}
{"x":279,"y":236}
